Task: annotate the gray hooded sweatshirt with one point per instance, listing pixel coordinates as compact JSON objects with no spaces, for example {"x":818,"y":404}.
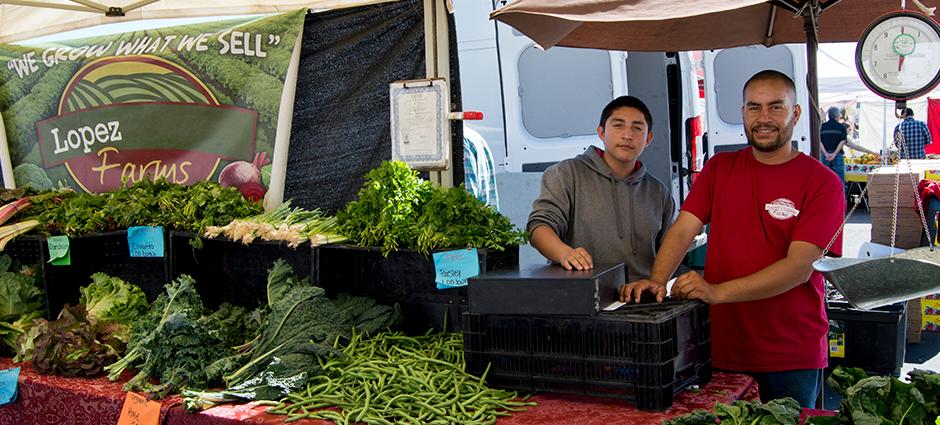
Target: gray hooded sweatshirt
{"x":615,"y":219}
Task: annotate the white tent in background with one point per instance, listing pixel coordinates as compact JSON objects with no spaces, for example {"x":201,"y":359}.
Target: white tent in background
{"x":875,"y":115}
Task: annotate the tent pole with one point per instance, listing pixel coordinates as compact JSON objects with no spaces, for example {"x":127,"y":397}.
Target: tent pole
{"x":810,"y":16}
{"x":5,"y":163}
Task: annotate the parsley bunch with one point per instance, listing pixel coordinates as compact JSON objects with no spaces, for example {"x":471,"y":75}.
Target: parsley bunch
{"x":397,"y":210}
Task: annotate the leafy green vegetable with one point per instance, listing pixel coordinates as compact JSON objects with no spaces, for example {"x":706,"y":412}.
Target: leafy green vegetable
{"x":884,"y":399}
{"x":844,"y":377}
{"x":110,"y":299}
{"x":72,"y":346}
{"x":784,"y":411}
{"x":175,"y":341}
{"x":146,"y":203}
{"x":928,"y":383}
{"x":21,"y":301}
{"x":300,"y":326}
{"x":398,"y":210}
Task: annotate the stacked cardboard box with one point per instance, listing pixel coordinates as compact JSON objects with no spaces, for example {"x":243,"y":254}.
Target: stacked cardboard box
{"x":881,"y":200}
{"x":923,"y":314}
{"x":914,"y":320}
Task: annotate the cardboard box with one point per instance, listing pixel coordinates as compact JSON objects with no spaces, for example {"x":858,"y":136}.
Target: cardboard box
{"x":914,"y":321}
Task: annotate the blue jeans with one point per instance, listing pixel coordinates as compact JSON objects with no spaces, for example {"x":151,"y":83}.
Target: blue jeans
{"x":837,"y":165}
{"x":801,"y":384}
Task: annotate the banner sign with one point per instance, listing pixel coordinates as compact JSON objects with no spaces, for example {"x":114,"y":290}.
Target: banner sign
{"x":186,"y":103}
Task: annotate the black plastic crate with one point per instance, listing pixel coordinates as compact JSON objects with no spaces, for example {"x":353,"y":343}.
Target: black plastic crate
{"x":403,"y":277}
{"x":644,"y":353}
{"x":233,"y":272}
{"x":106,"y":253}
{"x":873,"y":340}
{"x":25,"y":249}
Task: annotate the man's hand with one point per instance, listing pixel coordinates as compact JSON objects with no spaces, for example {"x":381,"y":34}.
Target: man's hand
{"x":692,"y":286}
{"x":830,"y":157}
{"x":577,"y":258}
{"x":633,"y":290}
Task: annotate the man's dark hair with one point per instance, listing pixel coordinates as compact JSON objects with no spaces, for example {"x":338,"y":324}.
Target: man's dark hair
{"x":770,"y":74}
{"x":834,"y":113}
{"x":627,"y":102}
{"x":908,"y":112}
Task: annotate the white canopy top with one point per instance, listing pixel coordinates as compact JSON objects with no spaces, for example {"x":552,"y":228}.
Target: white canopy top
{"x":25,"y":19}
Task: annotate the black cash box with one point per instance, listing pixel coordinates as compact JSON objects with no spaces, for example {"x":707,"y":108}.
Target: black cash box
{"x":546,"y":290}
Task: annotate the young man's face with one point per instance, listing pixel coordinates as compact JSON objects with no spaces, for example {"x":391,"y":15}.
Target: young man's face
{"x":625,"y":134}
{"x":770,"y":113}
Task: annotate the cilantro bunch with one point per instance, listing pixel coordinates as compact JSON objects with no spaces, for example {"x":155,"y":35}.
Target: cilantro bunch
{"x":397,"y":210}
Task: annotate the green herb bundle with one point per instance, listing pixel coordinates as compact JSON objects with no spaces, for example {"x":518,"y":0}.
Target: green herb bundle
{"x":146,"y":203}
{"x":398,"y":210}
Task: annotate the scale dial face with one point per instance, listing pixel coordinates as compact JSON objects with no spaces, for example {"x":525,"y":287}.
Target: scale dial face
{"x":898,"y":55}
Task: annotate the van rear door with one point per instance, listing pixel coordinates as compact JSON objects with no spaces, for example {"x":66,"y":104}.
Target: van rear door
{"x":727,"y":70}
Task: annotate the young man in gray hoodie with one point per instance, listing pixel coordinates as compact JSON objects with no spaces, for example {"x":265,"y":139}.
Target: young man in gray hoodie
{"x":602,"y":206}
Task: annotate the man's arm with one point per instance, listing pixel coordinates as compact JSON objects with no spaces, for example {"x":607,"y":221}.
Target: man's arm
{"x":544,"y":239}
{"x":773,"y":280}
{"x":859,"y":147}
{"x":670,"y":254}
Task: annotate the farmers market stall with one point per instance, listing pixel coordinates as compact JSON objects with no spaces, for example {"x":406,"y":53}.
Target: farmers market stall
{"x":44,"y":399}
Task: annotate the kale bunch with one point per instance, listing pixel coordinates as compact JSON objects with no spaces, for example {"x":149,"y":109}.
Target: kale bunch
{"x":300,"y":326}
{"x":177,"y":339}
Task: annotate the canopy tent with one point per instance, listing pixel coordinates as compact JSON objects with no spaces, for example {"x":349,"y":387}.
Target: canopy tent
{"x":24,"y":19}
{"x":669,"y":25}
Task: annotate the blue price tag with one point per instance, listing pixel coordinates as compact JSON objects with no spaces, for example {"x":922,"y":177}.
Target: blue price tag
{"x":145,"y":241}
{"x":8,"y":384}
{"x":453,"y":268}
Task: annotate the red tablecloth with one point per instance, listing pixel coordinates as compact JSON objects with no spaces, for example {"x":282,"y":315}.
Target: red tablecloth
{"x":44,"y":399}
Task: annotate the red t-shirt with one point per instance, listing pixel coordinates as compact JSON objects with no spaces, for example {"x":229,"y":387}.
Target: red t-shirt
{"x":756,"y":210}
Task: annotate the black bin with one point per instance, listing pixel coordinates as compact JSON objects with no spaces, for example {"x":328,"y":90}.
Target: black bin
{"x":873,"y":340}
{"x":404,"y":277}
{"x":234,"y":272}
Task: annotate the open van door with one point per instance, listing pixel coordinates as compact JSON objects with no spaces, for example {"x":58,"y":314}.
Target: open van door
{"x":727,"y":70}
{"x":553,"y":98}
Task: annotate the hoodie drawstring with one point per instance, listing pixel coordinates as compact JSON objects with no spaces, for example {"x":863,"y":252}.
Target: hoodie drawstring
{"x":613,"y":196}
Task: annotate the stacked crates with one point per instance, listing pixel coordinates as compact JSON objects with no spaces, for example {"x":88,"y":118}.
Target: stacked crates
{"x":643,"y":353}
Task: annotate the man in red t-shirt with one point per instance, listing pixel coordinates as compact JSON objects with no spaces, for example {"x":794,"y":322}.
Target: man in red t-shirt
{"x":772,"y":210}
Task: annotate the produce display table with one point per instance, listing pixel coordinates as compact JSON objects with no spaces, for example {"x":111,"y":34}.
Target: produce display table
{"x":57,"y":400}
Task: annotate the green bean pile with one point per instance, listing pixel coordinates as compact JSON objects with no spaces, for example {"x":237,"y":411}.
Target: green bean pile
{"x":393,"y":378}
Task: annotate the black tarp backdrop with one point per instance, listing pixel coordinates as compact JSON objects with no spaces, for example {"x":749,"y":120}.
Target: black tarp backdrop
{"x":341,"y":124}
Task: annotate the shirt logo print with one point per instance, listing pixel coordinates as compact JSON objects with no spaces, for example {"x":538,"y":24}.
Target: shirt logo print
{"x":782,"y":209}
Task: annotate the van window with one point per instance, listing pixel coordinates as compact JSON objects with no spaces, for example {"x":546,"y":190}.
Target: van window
{"x":563,"y":90}
{"x":733,"y":67}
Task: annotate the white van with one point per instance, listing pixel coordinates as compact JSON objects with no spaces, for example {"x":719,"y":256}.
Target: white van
{"x":541,"y":107}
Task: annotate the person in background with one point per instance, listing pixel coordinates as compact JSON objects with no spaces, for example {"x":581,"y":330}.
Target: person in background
{"x":602,"y":205}
{"x":479,"y":173}
{"x":916,"y":135}
{"x":833,"y":136}
{"x":772,"y":211}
